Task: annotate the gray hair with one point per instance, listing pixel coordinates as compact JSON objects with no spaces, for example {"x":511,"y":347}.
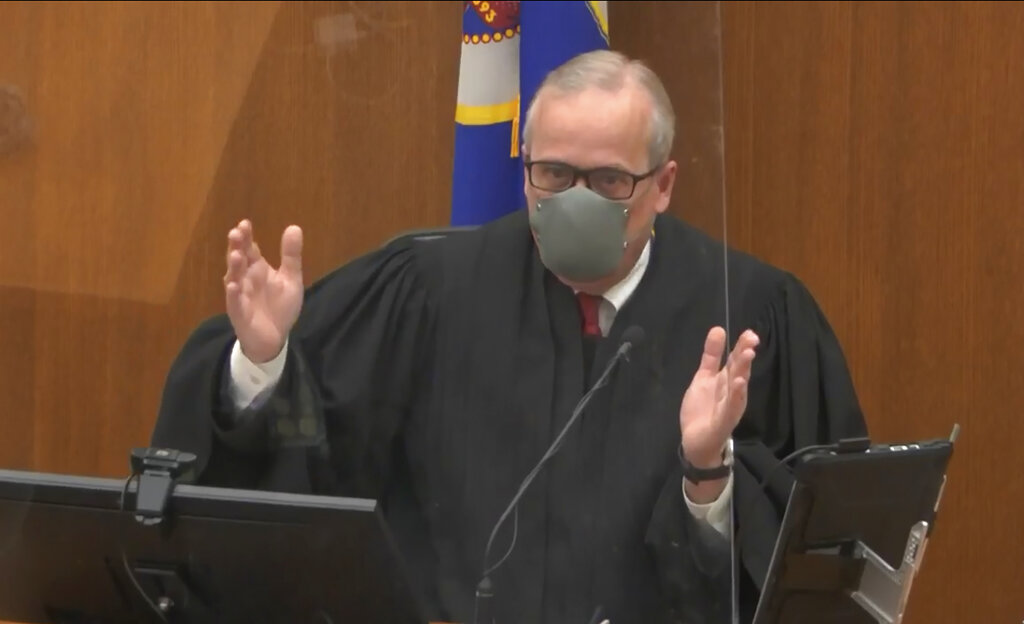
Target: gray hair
{"x":609,"y":70}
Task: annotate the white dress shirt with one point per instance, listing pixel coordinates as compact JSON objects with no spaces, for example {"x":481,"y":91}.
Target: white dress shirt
{"x":251,"y":381}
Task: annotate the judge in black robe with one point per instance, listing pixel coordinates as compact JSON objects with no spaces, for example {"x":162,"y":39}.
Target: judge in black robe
{"x":433,"y":374}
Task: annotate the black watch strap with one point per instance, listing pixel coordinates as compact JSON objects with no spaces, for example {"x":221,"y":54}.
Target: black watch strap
{"x":696,"y":475}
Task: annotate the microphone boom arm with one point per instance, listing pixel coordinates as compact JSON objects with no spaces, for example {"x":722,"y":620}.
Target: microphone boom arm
{"x":485,"y":589}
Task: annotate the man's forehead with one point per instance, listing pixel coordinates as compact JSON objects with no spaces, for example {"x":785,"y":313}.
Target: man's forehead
{"x":628,"y":102}
{"x":591,"y":129}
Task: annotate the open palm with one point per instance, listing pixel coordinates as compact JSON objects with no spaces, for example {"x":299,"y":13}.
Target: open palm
{"x":263,"y":303}
{"x":716,"y":399}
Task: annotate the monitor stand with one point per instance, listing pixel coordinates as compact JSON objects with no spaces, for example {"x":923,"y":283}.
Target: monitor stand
{"x":169,"y":592}
{"x":854,"y":534}
{"x":883,"y":591}
{"x":859,"y":572}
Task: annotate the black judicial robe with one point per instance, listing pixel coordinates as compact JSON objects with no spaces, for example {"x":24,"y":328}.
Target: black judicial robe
{"x":433,"y":375}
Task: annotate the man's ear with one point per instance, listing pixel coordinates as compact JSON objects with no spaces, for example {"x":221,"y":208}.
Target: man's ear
{"x":666,"y":180}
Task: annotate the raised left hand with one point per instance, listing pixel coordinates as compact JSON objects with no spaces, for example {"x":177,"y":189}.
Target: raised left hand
{"x":715,"y":401}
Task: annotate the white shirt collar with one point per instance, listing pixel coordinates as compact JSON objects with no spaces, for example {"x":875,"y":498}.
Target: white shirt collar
{"x":617,"y":296}
{"x":620,"y":293}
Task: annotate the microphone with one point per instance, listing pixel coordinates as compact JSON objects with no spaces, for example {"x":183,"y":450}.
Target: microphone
{"x":632,"y":337}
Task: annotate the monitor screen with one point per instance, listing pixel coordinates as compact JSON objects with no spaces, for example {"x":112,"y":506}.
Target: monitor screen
{"x":69,"y":552}
{"x":841,"y":503}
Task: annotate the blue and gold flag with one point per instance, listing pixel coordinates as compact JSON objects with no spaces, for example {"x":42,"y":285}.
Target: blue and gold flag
{"x":507,"y":50}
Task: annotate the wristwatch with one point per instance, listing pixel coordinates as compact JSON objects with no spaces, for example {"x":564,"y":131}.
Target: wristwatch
{"x":697,"y":475}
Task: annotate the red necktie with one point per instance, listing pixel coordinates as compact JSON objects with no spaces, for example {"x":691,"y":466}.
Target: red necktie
{"x":589,"y":305}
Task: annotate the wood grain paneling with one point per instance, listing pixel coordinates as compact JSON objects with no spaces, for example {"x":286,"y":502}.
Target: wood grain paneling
{"x":681,"y":42}
{"x":156,"y":128}
{"x":128,"y":101}
{"x":874,"y":149}
{"x":877,"y":151}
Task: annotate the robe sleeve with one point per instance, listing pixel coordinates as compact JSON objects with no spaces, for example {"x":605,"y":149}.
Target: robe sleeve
{"x":800,"y":394}
{"x":349,"y":381}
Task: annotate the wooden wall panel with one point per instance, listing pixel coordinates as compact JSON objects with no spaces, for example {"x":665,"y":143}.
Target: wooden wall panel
{"x":682,"y":42}
{"x":872,"y":148}
{"x":877,"y":151}
{"x":156,"y":128}
{"x":123,"y":107}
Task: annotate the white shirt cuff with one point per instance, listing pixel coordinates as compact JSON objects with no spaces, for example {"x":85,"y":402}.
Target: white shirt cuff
{"x":249,"y":379}
{"x":717,"y":513}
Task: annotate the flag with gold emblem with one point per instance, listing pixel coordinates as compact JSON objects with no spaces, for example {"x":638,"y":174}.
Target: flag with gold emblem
{"x":507,"y":50}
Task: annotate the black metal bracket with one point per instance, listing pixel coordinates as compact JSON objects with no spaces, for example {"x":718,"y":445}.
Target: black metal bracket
{"x":157,"y":470}
{"x":856,"y":570}
{"x":170,"y":594}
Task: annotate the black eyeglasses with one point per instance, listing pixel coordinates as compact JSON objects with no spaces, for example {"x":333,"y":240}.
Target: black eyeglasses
{"x":611,"y":182}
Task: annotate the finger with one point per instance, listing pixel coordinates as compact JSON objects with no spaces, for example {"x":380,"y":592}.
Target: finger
{"x":235,"y":241}
{"x":236,"y":268}
{"x":234,"y":301}
{"x":244,"y":228}
{"x":249,"y":246}
{"x":240,"y":237}
{"x":291,"y":251}
{"x":738,"y":385}
{"x":748,"y":340}
{"x":740,"y":364}
{"x":737,"y":403}
{"x":714,"y":346}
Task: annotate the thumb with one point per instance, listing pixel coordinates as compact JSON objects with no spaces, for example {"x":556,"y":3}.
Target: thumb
{"x":291,"y":251}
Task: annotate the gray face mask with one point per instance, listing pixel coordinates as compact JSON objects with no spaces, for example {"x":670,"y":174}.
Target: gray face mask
{"x":581,"y":235}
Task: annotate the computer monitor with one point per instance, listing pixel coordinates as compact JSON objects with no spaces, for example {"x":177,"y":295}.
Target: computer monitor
{"x":80,"y":549}
{"x":854,"y":534}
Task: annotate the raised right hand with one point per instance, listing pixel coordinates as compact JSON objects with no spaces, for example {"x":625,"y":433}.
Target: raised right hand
{"x":262,"y":303}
